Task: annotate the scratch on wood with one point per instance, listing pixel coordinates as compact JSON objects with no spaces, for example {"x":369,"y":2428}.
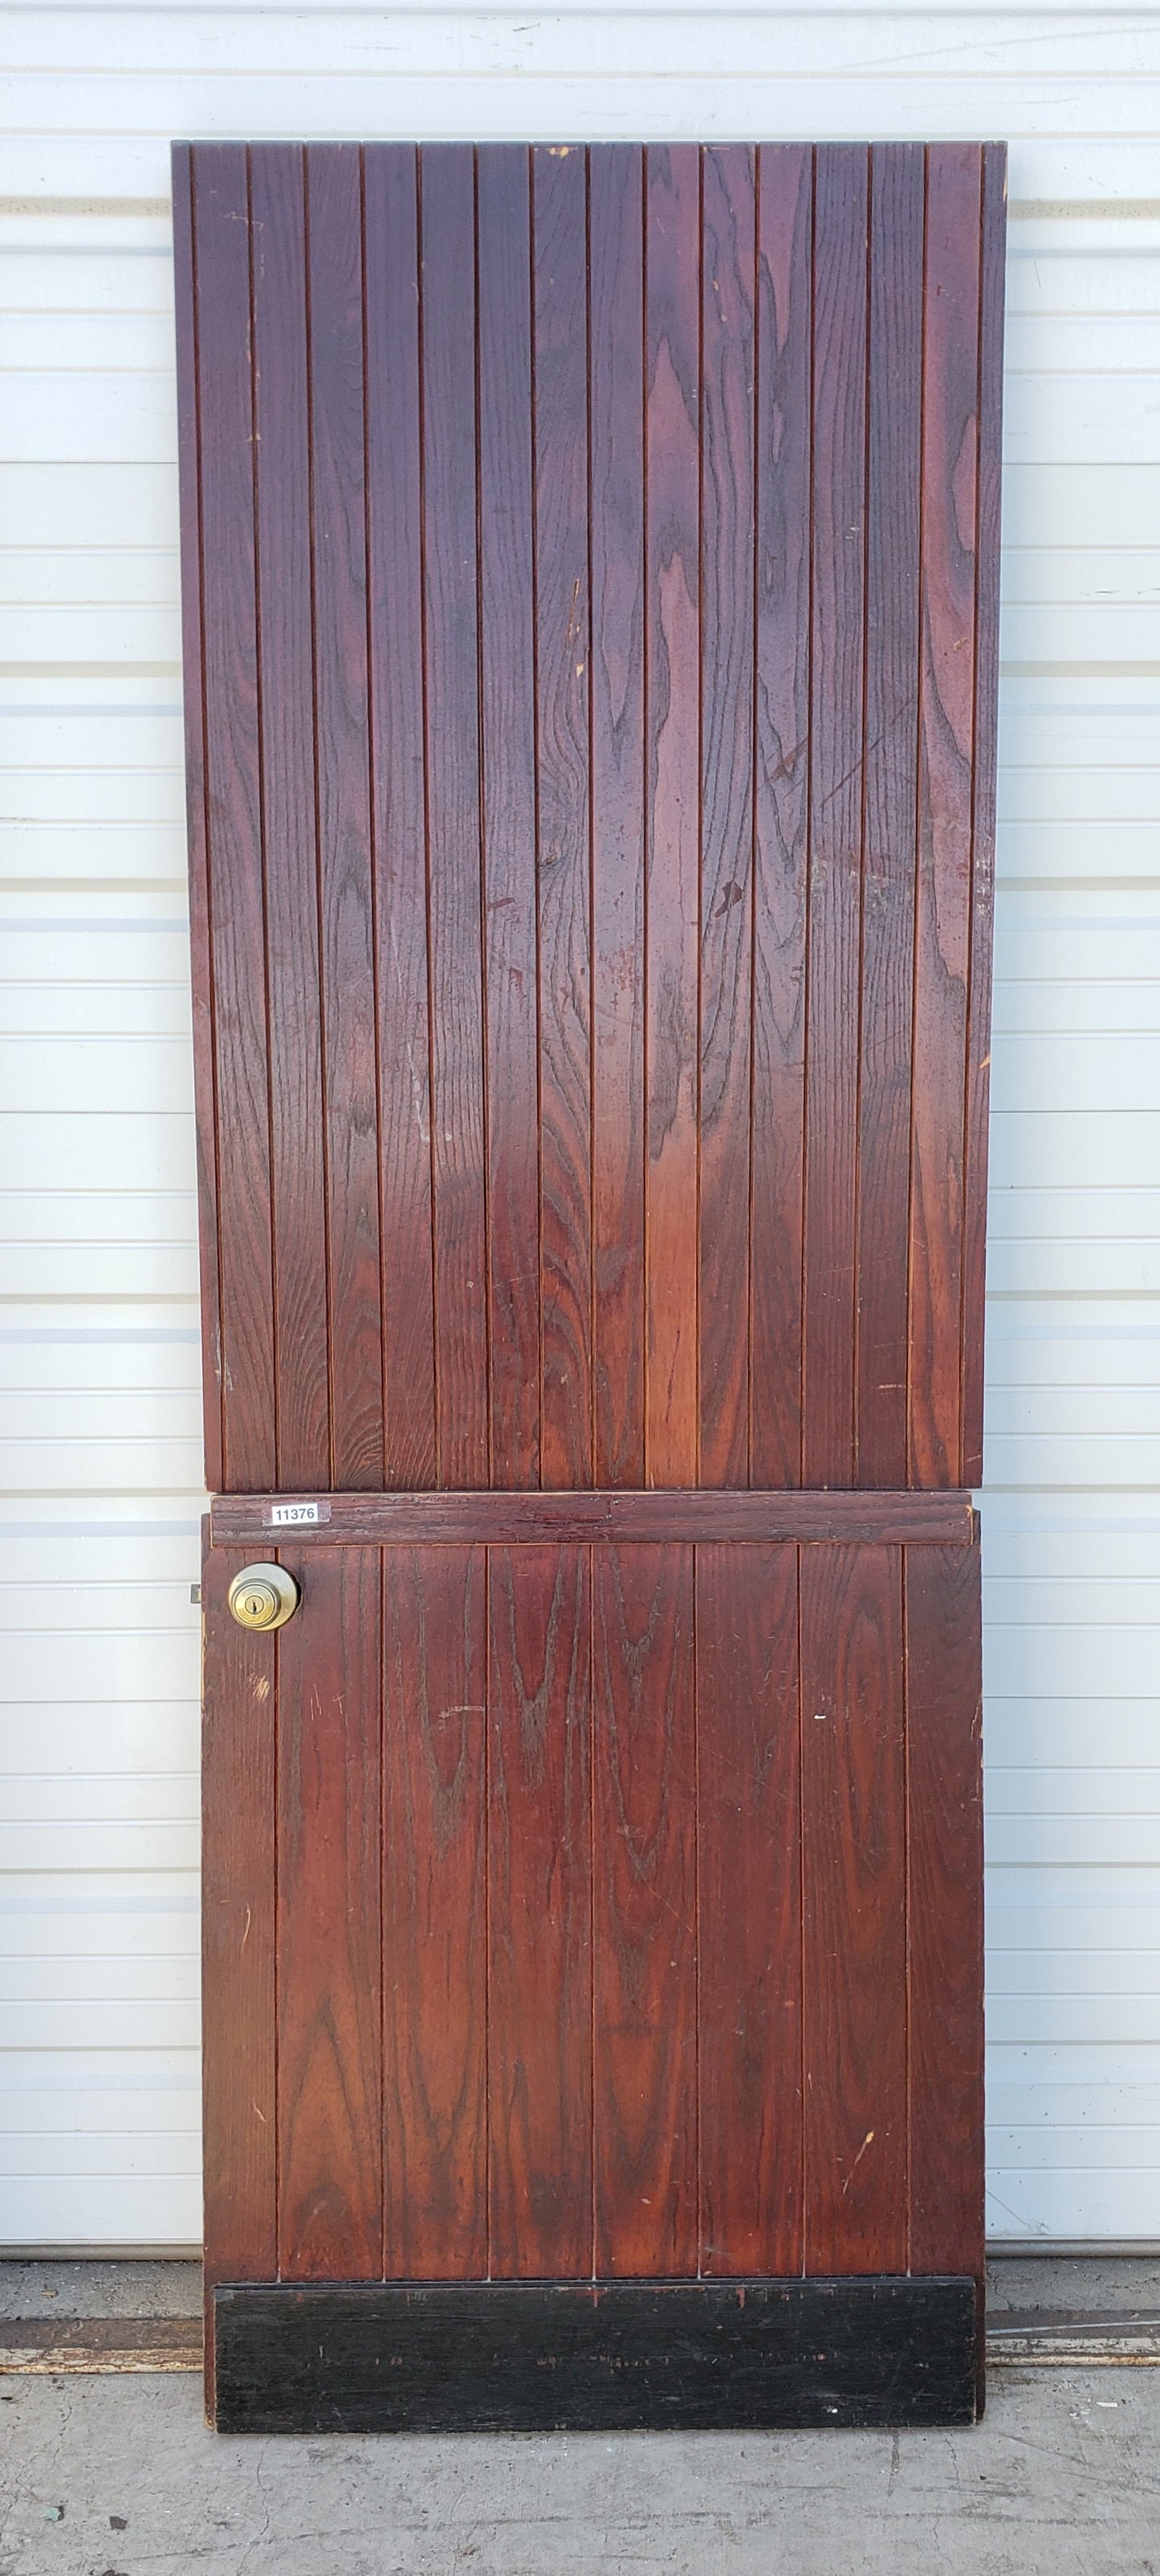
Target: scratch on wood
{"x":867,"y":2141}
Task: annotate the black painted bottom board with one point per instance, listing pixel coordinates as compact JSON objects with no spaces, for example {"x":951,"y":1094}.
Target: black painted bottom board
{"x":614,"y":2356}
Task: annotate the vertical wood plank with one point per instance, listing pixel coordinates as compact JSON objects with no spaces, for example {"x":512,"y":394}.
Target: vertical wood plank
{"x":189,"y":452}
{"x":236,"y":887}
{"x":749,"y":1834}
{"x":451,"y":593}
{"x":841,"y":208}
{"x":644,"y":1911}
{"x":945,"y":1877}
{"x":672,"y":789}
{"x":507,"y":709}
{"x":434,"y":1913}
{"x":853,"y":1909}
{"x":239,"y":2159}
{"x":616,"y":364}
{"x":898,"y":188}
{"x":398,"y":794}
{"x":728,"y":293}
{"x":539,"y":1913}
{"x":781,"y":807}
{"x":986,"y":727}
{"x":943,"y":907}
{"x":346,"y":895}
{"x":282,"y":476}
{"x":559,"y":189}
{"x":330,"y":2161}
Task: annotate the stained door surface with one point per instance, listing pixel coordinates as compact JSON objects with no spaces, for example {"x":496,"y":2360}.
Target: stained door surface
{"x":590,"y":565}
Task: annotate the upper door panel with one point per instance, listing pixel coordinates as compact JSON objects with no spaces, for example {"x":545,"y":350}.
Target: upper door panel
{"x":590,"y":591}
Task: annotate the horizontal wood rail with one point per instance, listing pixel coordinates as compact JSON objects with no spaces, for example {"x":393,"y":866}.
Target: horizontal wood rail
{"x":594,"y":2356}
{"x":694,"y":1514}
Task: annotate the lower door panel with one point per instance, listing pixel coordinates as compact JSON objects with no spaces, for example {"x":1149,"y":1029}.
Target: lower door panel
{"x":596,"y":1913}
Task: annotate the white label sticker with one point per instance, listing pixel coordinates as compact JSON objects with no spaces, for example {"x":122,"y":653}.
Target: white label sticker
{"x":295,"y":1515}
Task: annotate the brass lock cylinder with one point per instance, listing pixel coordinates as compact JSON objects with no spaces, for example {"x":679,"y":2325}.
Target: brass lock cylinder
{"x":263,"y":1596}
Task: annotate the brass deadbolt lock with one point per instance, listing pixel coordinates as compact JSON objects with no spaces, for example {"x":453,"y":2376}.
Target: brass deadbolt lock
{"x":263,"y":1596}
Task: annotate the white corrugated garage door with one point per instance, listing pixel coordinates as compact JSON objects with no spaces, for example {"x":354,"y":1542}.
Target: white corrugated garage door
{"x":98,"y":1348}
{"x":1072,"y":1518}
{"x":98,"y":1329}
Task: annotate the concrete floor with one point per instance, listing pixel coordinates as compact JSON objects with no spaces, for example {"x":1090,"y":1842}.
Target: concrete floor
{"x":117,"y":2476}
{"x":36,"y":2289}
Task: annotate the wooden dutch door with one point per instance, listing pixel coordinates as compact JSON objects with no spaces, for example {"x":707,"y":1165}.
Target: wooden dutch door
{"x":590,"y":564}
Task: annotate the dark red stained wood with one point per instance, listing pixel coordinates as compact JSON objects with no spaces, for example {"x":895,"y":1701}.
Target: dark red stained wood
{"x":644,"y":1911}
{"x":346,"y":886}
{"x":282,"y":482}
{"x":196,"y":825}
{"x":447,"y":322}
{"x":330,"y":2162}
{"x":539,"y":1913}
{"x":945,"y":1909}
{"x":236,"y":885}
{"x":897,"y":193}
{"x":434,"y":1913}
{"x":672,"y":827}
{"x":559,"y":185}
{"x":983,"y":817}
{"x":841,"y":209}
{"x":400,"y":648}
{"x":853,"y":1910}
{"x":750,"y":1968}
{"x":781,"y":811}
{"x":398,"y":784}
{"x":943,"y":909}
{"x":616,"y":398}
{"x":590,"y":562}
{"x":506,"y":1520}
{"x":509,"y":810}
{"x":728,"y":295}
{"x":238,"y":1734}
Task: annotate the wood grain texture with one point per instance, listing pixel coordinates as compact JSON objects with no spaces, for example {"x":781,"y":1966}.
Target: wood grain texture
{"x":398,"y":809}
{"x":590,"y":563}
{"x":853,"y":1910}
{"x":92,"y":2345}
{"x":897,"y":217}
{"x":572,"y":641}
{"x":728,"y":329}
{"x":346,"y":880}
{"x":559,"y":189}
{"x":672,"y":794}
{"x":204,"y":1086}
{"x":434,"y":1913}
{"x":239,"y":2152}
{"x":985,"y":747}
{"x":837,"y":645}
{"x":644,"y":1911}
{"x":943,"y":907}
{"x":286,"y":658}
{"x":687,"y":1514}
{"x":781,"y":807}
{"x":616,"y":790}
{"x":539,"y":1913}
{"x":945,"y":1909}
{"x":507,"y":713}
{"x":329,"y":2090}
{"x":451,"y":593}
{"x":237,"y":893}
{"x":749,"y":1910}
